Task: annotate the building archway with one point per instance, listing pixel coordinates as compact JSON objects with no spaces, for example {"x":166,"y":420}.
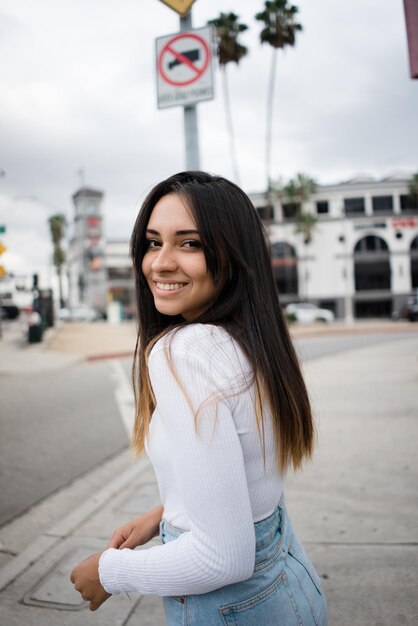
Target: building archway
{"x":372,"y":277}
{"x":285,"y":268}
{"x":414,"y":263}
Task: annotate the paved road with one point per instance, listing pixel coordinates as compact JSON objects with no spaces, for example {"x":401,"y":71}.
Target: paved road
{"x":355,"y":506}
{"x":316,"y":347}
{"x":62,"y":424}
{"x":54,"y":426}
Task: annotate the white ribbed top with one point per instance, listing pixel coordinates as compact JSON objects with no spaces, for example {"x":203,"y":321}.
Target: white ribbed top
{"x":213,"y":482}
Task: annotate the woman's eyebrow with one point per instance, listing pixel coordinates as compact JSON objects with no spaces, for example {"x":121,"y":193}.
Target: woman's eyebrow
{"x":151,"y":231}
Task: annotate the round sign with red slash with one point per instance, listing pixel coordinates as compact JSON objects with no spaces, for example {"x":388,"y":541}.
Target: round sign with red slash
{"x":184,"y":68}
{"x":184,"y":59}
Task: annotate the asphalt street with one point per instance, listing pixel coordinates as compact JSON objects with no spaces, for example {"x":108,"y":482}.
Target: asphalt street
{"x":54,"y":427}
{"x":354,"y":506}
{"x":57,"y":426}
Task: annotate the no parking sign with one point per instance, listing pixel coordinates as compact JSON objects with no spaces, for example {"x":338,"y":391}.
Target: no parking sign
{"x":184,"y":68}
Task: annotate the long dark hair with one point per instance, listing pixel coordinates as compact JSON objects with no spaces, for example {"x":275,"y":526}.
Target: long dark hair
{"x":237,"y":253}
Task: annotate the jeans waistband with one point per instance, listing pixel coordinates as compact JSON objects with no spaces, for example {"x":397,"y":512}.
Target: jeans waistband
{"x":272,"y":533}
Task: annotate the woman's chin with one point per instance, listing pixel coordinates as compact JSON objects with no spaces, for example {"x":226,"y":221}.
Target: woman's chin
{"x":165,"y":309}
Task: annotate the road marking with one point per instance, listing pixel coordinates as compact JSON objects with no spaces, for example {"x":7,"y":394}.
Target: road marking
{"x":124,"y":397}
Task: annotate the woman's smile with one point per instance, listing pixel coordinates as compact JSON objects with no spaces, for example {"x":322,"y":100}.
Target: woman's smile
{"x":169,"y":286}
{"x":174,"y":263}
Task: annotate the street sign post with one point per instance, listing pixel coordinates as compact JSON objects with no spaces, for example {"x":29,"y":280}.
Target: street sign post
{"x":182,"y":7}
{"x":184,"y":68}
{"x":197,"y":69}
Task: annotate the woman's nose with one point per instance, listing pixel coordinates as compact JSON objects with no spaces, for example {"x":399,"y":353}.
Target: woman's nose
{"x":164,"y":260}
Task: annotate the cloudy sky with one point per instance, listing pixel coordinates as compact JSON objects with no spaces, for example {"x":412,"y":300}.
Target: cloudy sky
{"x":78,"y":90}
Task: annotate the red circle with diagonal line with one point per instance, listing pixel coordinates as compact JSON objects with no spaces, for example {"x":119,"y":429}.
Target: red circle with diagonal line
{"x":168,"y":49}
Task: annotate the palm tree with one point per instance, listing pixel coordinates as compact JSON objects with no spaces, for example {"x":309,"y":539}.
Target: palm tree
{"x":305,"y":225}
{"x":57,"y":225}
{"x":279,"y":31}
{"x":300,"y":189}
{"x":229,"y":50}
{"x":297,"y":191}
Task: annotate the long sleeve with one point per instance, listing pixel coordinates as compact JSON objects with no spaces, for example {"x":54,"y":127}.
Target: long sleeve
{"x":208,"y":469}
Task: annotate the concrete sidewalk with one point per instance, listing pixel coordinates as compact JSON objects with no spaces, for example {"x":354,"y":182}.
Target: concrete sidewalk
{"x":355,"y":506}
{"x":63,"y":345}
{"x":68,"y":343}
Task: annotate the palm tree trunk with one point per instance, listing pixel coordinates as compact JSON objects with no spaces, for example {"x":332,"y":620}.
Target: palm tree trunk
{"x":269,"y":120}
{"x":62,"y":303}
{"x":306,"y":274}
{"x":227,"y":104}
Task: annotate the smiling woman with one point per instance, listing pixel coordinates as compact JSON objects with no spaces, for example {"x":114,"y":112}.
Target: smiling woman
{"x":223,"y":412}
{"x":174,"y":264}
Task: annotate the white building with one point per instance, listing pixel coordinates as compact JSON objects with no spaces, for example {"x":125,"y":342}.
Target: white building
{"x":120,"y":275}
{"x":363,"y":257}
{"x":87,"y":273}
{"x":362,"y":260}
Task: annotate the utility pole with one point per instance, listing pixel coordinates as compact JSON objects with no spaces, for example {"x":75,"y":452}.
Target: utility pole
{"x":411,"y":19}
{"x":173,"y":90}
{"x":190,"y":115}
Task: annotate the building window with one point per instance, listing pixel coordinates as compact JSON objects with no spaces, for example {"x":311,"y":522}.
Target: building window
{"x":408,"y":204}
{"x":322,"y":207}
{"x":382,"y":204}
{"x":371,"y":243}
{"x":284,"y":262}
{"x":291,"y":210}
{"x":92,"y":209}
{"x":374,"y":308}
{"x":265,"y":213}
{"x":414,"y":263}
{"x":354,"y":206}
{"x":371,"y":264}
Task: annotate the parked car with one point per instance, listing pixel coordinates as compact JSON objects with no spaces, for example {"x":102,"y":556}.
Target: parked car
{"x":79,"y":313}
{"x":306,"y":313}
{"x":9,"y":311}
{"x":410,"y":311}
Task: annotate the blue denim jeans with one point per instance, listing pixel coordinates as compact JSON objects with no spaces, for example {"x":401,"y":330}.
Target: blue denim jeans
{"x":284,"y":589}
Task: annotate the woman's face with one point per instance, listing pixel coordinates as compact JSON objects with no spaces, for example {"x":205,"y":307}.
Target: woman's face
{"x":174,"y":264}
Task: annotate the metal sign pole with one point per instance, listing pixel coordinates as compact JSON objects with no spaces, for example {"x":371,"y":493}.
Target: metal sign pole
{"x":190,"y":116}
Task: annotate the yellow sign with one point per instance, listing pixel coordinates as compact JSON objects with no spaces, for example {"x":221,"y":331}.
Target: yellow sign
{"x":182,"y":7}
{"x":2,"y":248}
{"x":2,"y":271}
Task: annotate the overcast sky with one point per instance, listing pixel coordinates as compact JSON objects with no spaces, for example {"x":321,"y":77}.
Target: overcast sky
{"x":78,"y":90}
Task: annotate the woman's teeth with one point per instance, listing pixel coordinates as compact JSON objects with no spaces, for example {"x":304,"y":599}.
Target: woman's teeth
{"x":170,"y":286}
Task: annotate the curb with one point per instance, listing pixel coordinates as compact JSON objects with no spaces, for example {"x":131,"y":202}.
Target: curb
{"x":295,"y":332}
{"x":64,"y":528}
{"x":373,"y":330}
{"x":110,"y":355}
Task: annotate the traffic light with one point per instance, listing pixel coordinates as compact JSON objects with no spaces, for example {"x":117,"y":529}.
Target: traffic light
{"x":2,"y":250}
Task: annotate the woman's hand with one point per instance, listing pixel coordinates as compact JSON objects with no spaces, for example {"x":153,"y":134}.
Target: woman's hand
{"x":85,"y":578}
{"x":138,"y":531}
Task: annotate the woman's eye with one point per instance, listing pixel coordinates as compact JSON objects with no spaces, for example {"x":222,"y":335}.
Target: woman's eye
{"x":152,"y":243}
{"x":193,"y":243}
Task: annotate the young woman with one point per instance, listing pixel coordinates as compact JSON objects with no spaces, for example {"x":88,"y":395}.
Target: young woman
{"x":222,"y":411}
